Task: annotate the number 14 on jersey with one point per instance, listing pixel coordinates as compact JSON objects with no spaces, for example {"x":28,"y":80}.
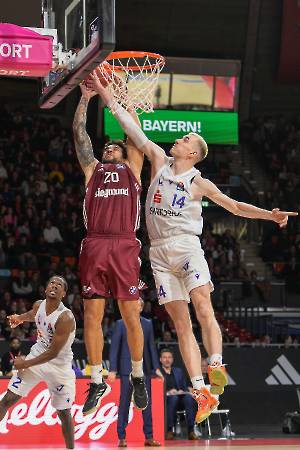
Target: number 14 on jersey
{"x":178,"y":201}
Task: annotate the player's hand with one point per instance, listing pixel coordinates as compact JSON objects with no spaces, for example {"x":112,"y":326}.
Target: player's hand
{"x":14,"y":320}
{"x":86,"y":91}
{"x":20,"y":363}
{"x":111,"y":378}
{"x":281,"y":217}
{"x":94,"y":84}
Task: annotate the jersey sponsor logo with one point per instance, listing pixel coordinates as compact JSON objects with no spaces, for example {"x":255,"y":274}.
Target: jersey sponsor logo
{"x":133,"y":290}
{"x":180,"y":186}
{"x":160,"y":181}
{"x":186,"y":266}
{"x":50,"y":329}
{"x":60,"y":387}
{"x":120,"y":166}
{"x":111,"y":192}
{"x":86,"y":289}
{"x":157,"y":197}
{"x":163,"y":212}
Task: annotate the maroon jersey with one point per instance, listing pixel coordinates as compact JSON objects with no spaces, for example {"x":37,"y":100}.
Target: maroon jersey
{"x":112,"y":201}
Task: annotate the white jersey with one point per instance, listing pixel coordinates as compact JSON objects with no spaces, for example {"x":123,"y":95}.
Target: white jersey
{"x":45,"y":331}
{"x":170,"y":208}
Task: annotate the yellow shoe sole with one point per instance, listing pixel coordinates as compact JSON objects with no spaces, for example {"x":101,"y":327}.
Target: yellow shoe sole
{"x":218,"y":380}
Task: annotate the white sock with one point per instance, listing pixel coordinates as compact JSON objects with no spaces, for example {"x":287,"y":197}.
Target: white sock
{"x":96,"y":374}
{"x":216,"y":359}
{"x":137,"y":369}
{"x":198,"y":382}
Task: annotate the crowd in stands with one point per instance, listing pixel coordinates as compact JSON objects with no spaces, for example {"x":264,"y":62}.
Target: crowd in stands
{"x":276,"y":143}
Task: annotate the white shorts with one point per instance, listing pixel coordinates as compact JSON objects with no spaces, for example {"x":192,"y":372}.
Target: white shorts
{"x":178,"y":265}
{"x":59,"y":379}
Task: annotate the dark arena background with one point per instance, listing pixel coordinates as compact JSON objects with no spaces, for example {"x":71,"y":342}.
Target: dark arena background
{"x":232,"y":74}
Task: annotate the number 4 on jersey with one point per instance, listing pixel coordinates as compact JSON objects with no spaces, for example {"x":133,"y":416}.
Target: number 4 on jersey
{"x":179,"y":202}
{"x":161,"y":292}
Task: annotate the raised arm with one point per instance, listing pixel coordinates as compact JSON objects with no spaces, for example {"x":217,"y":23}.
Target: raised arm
{"x":29,"y":316}
{"x":83,"y":145}
{"x":155,"y":153}
{"x":203,"y":187}
{"x":134,"y":156}
{"x":64,"y":326}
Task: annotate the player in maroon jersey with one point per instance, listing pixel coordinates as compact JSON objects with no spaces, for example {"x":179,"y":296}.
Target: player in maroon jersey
{"x":109,"y":258}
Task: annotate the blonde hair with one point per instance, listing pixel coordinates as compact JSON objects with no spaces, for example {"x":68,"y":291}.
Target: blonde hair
{"x":202,"y":146}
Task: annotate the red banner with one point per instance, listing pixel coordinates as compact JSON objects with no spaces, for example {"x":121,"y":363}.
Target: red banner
{"x":32,"y":420}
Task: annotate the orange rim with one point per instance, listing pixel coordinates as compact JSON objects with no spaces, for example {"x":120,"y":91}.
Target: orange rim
{"x":160,"y":60}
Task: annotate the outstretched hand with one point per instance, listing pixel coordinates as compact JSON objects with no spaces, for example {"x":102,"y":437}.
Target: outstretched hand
{"x":86,"y":91}
{"x":281,"y":217}
{"x":94,"y":83}
{"x":14,"y":320}
{"x":20,"y":363}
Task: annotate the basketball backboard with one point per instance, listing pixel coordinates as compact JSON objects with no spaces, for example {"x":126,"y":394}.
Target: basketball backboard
{"x":85,"y":37}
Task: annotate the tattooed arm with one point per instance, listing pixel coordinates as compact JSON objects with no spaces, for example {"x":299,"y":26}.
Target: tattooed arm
{"x":83,"y":145}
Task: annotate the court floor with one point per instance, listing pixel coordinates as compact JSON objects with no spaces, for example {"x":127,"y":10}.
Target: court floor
{"x":236,"y":444}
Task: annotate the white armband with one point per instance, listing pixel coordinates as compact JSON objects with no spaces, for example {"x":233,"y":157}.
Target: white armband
{"x":129,"y":126}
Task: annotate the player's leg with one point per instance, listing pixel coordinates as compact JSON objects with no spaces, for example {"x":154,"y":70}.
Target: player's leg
{"x":190,"y":352}
{"x":61,"y":383}
{"x":193,"y":269}
{"x":67,"y":427}
{"x":93,"y":277}
{"x":189,"y":349}
{"x":211,"y":337}
{"x":19,"y":386}
{"x":93,"y":335}
{"x":94,"y":342}
{"x":130,"y":312}
{"x":9,"y":399}
{"x":123,"y":282}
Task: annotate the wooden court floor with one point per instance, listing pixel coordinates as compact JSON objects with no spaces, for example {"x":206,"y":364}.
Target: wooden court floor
{"x":235,"y":444}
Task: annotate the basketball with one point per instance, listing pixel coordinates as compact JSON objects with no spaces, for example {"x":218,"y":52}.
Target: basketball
{"x":104,"y":73}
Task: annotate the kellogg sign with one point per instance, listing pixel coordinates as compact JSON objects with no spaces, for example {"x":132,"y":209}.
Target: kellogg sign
{"x":32,"y":419}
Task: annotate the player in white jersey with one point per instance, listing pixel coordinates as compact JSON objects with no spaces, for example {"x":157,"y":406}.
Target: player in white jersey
{"x":174,"y":222}
{"x":50,"y":359}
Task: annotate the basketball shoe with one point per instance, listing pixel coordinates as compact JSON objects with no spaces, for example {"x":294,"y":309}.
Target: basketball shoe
{"x":206,"y":403}
{"x":95,"y":394}
{"x":218,"y":379}
{"x":139,"y":394}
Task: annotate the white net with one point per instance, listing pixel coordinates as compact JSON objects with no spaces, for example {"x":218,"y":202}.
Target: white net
{"x":132,"y":78}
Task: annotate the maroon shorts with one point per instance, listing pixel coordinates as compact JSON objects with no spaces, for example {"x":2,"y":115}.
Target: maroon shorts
{"x":110,"y":267}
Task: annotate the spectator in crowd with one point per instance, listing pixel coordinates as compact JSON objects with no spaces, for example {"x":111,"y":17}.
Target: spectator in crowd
{"x":120,"y":362}
{"x":51,"y":233}
{"x":178,"y":396}
{"x":167,"y":336}
{"x":4,"y":327}
{"x":21,"y":285}
{"x":7,"y":361}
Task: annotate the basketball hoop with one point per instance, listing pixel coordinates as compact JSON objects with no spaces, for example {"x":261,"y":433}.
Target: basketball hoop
{"x":132,"y":78}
